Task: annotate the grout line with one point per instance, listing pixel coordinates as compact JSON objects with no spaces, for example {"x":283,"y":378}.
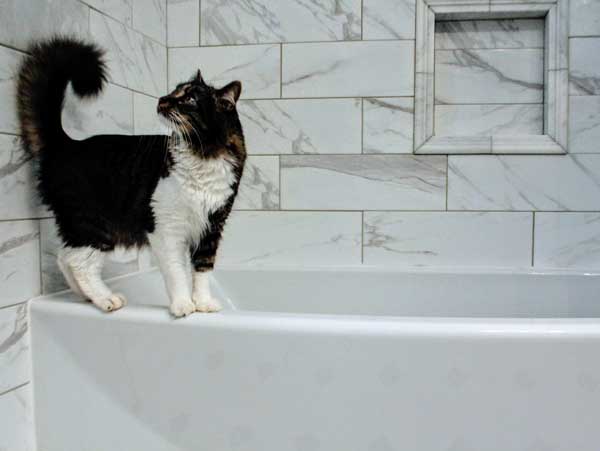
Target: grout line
{"x":362,"y":126}
{"x":273,"y":43}
{"x":39,"y":224}
{"x":533,"y":241}
{"x":279,"y":187}
{"x":447,"y":179}
{"x":384,"y":210}
{"x":362,"y":19}
{"x":281,"y":70}
{"x":5,"y":307}
{"x":10,"y":47}
{"x":199,"y":23}
{"x":362,"y":237}
{"x":14,"y":388}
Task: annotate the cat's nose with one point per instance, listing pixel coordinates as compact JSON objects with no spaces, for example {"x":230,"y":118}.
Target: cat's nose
{"x":163,"y":105}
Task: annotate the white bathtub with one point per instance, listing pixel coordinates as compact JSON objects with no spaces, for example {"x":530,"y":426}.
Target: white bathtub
{"x":326,"y":360}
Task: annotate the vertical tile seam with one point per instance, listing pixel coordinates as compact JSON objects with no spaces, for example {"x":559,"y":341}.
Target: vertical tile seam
{"x":533,"y":239}
{"x":362,"y":237}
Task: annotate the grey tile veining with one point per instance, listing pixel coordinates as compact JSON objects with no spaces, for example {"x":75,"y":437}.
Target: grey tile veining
{"x":19,"y":261}
{"x":485,"y":120}
{"x":567,"y":240}
{"x":526,"y":183}
{"x":18,"y":196}
{"x":117,"y":9}
{"x":258,"y":66}
{"x":145,"y":119}
{"x":117,"y":263}
{"x":14,"y":347}
{"x":584,"y":124}
{"x":291,"y":238}
{"x":490,"y":34}
{"x":363,"y":182}
{"x":110,"y":113}
{"x":298,"y":126}
{"x":150,"y":18}
{"x":9,"y":63}
{"x":448,"y":239}
{"x":259,"y":188}
{"x":388,"y":19}
{"x":388,"y":125}
{"x":183,"y":23}
{"x":348,"y":69}
{"x":467,"y":76}
{"x":134,"y":60}
{"x":260,"y":21}
{"x":584,"y":70}
{"x":584,"y":17}
{"x":24,"y":20}
{"x":16,"y":418}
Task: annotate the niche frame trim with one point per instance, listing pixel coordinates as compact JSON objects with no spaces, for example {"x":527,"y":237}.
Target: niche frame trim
{"x":556,"y":76}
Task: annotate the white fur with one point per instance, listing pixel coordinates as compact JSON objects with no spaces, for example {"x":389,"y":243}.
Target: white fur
{"x":201,"y":296}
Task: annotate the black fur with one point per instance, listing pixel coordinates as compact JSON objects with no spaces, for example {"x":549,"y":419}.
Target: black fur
{"x":99,"y":189}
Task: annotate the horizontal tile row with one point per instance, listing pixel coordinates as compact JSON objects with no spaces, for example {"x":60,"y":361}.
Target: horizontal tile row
{"x":14,"y":348}
{"x":584,"y":68}
{"x":16,"y":418}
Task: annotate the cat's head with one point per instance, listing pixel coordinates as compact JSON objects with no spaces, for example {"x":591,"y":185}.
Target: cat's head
{"x":200,"y":112}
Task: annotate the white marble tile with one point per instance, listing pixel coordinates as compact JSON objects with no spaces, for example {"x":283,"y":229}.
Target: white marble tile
{"x":525,"y":144}
{"x":484,"y":120}
{"x":257,"y":66}
{"x":16,"y":418}
{"x":150,"y":18}
{"x":259,"y":188}
{"x":19,"y":261}
{"x":109,"y":113}
{"x":584,"y":69}
{"x":388,"y":125}
{"x":260,"y":21}
{"x":117,"y":263}
{"x":301,"y":126}
{"x":117,"y":9}
{"x":567,"y":240}
{"x":18,"y":196}
{"x":348,"y":69}
{"x":456,"y":144}
{"x":291,"y":238}
{"x":24,"y":20}
{"x":523,"y":182}
{"x":584,"y":124}
{"x":388,"y":19}
{"x":490,"y":34}
{"x":9,"y":63}
{"x":489,"y":76}
{"x":363,"y":182}
{"x":584,"y":18}
{"x":183,"y":23}
{"x":134,"y":60}
{"x":14,"y":347}
{"x":448,"y":239}
{"x":145,"y":119}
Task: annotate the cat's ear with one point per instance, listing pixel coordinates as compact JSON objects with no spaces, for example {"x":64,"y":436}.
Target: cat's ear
{"x":228,"y":96}
{"x":199,"y":78}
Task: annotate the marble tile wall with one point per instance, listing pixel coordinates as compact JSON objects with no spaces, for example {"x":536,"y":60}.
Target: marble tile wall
{"x":135,"y":35}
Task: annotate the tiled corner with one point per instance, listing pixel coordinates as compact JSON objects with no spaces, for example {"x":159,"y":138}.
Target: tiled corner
{"x":257,"y":21}
{"x":14,"y":348}
{"x":527,"y":183}
{"x":109,"y":113}
{"x":295,"y":126}
{"x":145,"y":118}
{"x":584,"y":124}
{"x":363,"y":182}
{"x":9,"y":63}
{"x":150,"y":18}
{"x":584,"y":69}
{"x":19,"y":261}
{"x":183,"y":23}
{"x":388,"y":19}
{"x":448,"y":239}
{"x":567,"y":240}
{"x":291,"y":239}
{"x":348,"y":69}
{"x":388,"y":125}
{"x":258,"y":66}
{"x":16,"y":418}
{"x":134,"y":60}
{"x":23,"y":21}
{"x":259,"y":187}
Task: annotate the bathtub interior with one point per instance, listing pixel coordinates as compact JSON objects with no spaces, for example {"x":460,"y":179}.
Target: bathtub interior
{"x":384,"y":292}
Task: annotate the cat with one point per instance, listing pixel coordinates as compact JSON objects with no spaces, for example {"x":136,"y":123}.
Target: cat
{"x":173,"y":193}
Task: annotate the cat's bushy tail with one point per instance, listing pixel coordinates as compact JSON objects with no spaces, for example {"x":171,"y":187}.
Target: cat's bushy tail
{"x":42,"y":80}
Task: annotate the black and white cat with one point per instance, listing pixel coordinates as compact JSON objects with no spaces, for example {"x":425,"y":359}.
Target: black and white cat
{"x":173,"y":193}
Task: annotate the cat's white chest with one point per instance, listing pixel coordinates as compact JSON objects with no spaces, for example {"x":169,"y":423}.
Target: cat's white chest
{"x":183,"y":201}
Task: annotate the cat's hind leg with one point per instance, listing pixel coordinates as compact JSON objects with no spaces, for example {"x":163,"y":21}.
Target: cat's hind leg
{"x":67,"y":273}
{"x":84,"y":265}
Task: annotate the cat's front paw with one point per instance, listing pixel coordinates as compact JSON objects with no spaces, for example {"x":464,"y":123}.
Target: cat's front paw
{"x":207,"y":304}
{"x":182,"y":308}
{"x":113,"y":302}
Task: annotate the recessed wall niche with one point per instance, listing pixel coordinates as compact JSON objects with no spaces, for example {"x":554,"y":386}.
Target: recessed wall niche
{"x":491,"y":77}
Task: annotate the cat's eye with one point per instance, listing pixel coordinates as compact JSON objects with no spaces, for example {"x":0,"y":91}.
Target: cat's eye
{"x":190,"y":101}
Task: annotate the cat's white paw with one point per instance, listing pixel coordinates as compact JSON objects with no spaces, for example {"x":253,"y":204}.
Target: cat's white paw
{"x":207,"y":305}
{"x":182,"y":308}
{"x":113,"y":302}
